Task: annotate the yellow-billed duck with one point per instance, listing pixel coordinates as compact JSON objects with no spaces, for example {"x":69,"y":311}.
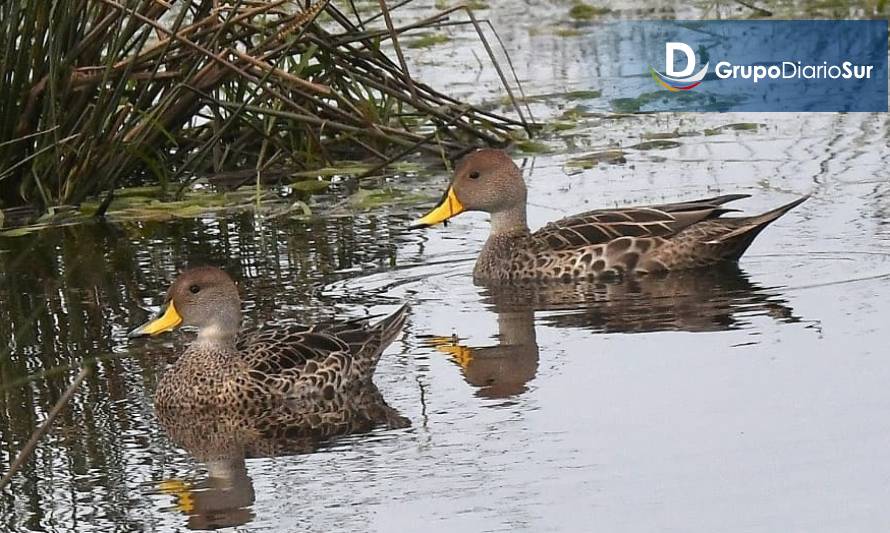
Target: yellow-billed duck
{"x":595,"y":244}
{"x":227,"y":366}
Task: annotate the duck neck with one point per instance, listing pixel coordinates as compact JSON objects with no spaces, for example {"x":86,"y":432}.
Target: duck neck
{"x":219,"y":334}
{"x":507,"y":227}
{"x":512,"y":220}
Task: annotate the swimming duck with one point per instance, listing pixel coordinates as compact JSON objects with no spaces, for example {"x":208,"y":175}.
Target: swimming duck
{"x":225,"y":366}
{"x":596,"y":244}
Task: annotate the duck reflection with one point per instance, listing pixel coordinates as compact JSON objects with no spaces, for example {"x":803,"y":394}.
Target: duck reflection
{"x":222,"y":440}
{"x":502,"y":370}
{"x":695,"y":301}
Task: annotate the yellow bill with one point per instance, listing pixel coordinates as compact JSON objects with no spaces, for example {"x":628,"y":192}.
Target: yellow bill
{"x":169,"y":320}
{"x":447,"y":208}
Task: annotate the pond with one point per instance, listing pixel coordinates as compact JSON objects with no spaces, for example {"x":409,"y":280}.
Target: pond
{"x":741,"y":399}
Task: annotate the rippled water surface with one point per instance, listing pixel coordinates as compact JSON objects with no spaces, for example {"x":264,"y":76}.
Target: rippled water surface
{"x":744,"y":399}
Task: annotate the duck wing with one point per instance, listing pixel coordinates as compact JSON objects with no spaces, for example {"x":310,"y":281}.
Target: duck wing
{"x":604,"y":225}
{"x":353,"y":344}
{"x":275,"y":351}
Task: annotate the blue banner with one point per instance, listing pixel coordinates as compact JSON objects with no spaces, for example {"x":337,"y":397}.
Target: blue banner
{"x":751,"y":65}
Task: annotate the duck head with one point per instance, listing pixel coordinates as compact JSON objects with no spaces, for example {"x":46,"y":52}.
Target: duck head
{"x":485,"y":180}
{"x":203,"y":297}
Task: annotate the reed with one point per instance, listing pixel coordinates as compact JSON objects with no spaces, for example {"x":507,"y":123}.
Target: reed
{"x":96,"y":94}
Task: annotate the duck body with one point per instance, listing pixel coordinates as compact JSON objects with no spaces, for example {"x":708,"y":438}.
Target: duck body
{"x":613,"y":242}
{"x":226,"y":367}
{"x":268,"y":367}
{"x":605,"y":243}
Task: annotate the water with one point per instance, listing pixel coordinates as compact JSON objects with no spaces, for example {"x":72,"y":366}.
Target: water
{"x":750,"y":399}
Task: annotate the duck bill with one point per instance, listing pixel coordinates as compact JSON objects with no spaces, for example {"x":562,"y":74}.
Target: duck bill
{"x":169,"y":320}
{"x":447,"y":208}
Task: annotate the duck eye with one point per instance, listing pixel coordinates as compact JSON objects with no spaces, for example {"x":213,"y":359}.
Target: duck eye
{"x":195,"y":289}
{"x":474,"y":175}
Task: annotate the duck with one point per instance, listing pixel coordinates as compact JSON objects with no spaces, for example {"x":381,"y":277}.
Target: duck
{"x":594,"y":245}
{"x":227,"y":367}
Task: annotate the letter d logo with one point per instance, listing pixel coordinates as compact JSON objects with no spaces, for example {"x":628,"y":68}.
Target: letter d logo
{"x":669,"y":49}
{"x":679,"y":80}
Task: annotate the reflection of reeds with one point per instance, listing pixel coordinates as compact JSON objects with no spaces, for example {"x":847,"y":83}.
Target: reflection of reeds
{"x":28,"y":449}
{"x":98,"y":91}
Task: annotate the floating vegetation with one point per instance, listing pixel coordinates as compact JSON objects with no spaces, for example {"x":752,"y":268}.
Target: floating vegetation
{"x":561,"y":125}
{"x":472,"y":4}
{"x":614,"y":157}
{"x":574,"y":113}
{"x":627,"y":105}
{"x":737,"y":126}
{"x":427,"y":41}
{"x":567,"y":32}
{"x":665,"y":100}
{"x":664,"y":135}
{"x":617,"y":156}
{"x":657,"y":144}
{"x":156,"y":207}
{"x":568,"y":96}
{"x":109,"y":94}
{"x":533,"y":147}
{"x":557,"y":30}
{"x":367,"y":199}
{"x":634,"y":105}
{"x":310,"y":186}
{"x":343,"y":168}
{"x":582,"y":11}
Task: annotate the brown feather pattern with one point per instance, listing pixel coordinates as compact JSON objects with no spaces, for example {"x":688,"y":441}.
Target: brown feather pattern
{"x":275,"y":365}
{"x":594,"y":244}
{"x":614,"y":242}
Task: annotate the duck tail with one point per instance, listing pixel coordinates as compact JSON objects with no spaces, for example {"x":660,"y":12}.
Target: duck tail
{"x":369,"y":341}
{"x":765,"y":219}
{"x":389,"y":328}
{"x":747,"y":228}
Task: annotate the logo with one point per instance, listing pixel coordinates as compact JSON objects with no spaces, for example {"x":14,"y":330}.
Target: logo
{"x":747,"y":65}
{"x":682,"y":80}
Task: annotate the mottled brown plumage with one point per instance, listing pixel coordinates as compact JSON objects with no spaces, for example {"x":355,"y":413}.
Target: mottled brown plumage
{"x":227,"y":367}
{"x":596,"y":244}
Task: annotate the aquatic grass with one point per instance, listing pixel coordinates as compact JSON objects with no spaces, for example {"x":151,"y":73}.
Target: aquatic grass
{"x":100,"y":94}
